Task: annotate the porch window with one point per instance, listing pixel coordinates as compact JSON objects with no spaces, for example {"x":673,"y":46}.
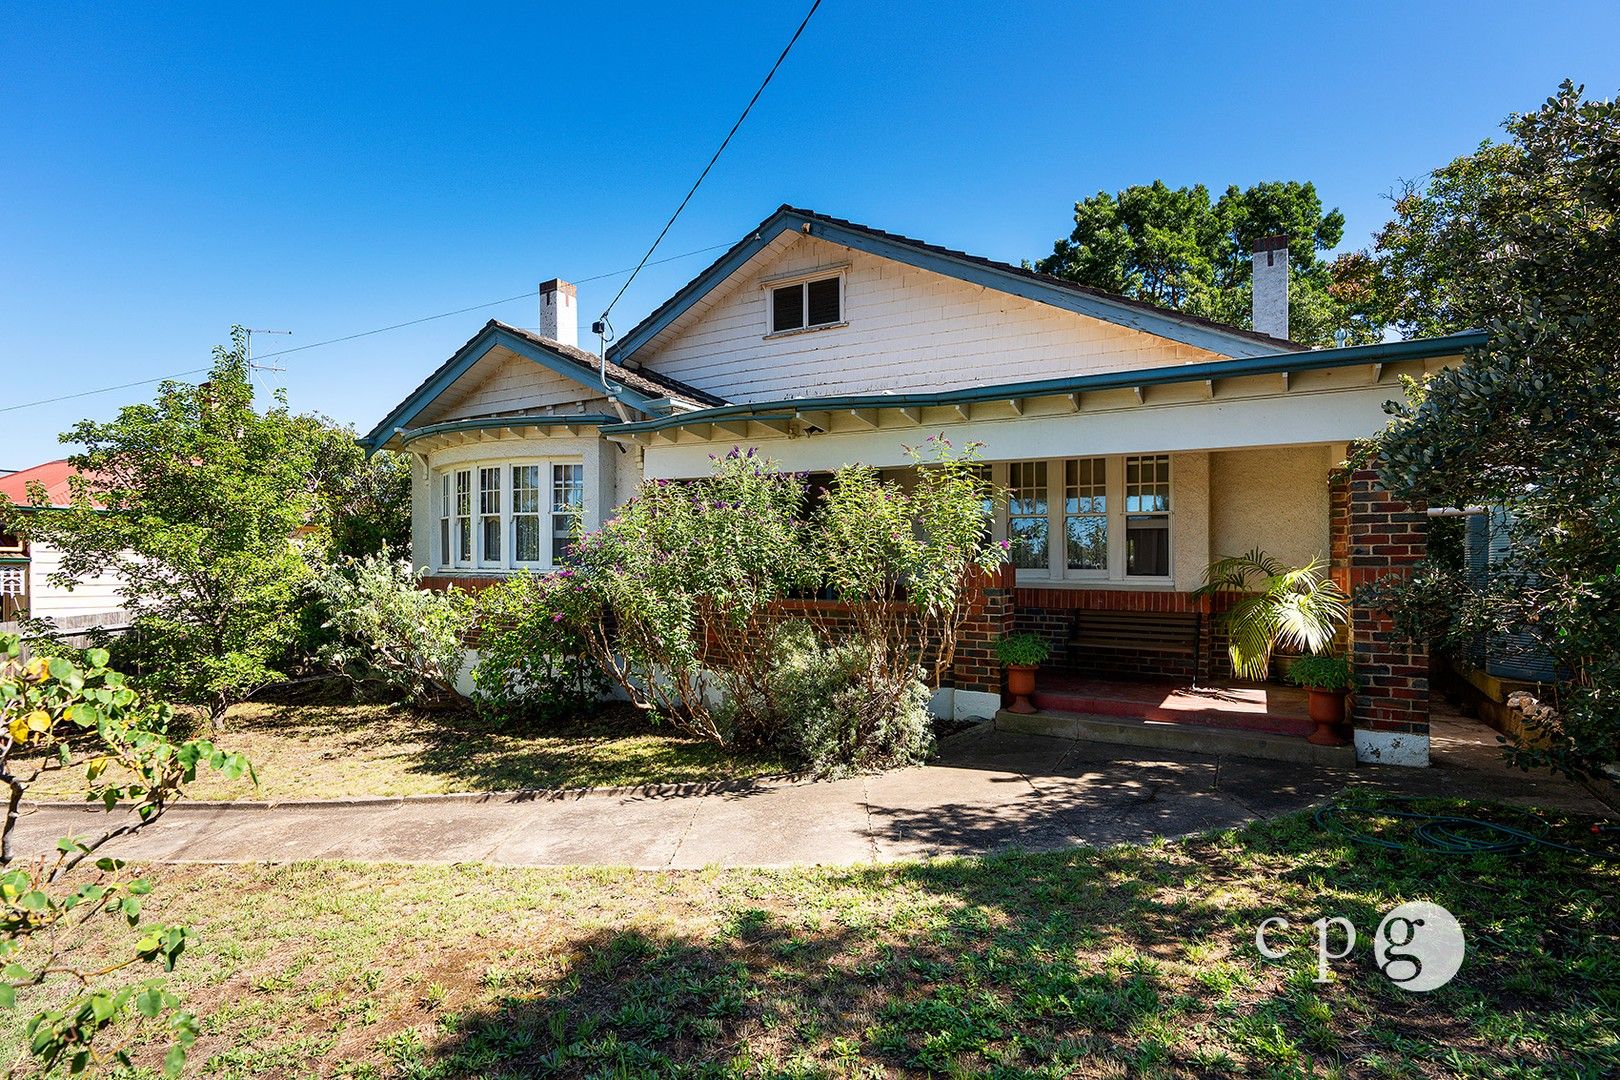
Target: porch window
{"x":464,"y":533}
{"x":1147,"y":516}
{"x":567,"y":502}
{"x":1085,"y":513}
{"x":489,"y":515}
{"x":526,"y":513}
{"x":1027,"y":524}
{"x":1092,"y":519}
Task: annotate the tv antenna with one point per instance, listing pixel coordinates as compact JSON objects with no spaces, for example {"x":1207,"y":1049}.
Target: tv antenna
{"x":262,"y":367}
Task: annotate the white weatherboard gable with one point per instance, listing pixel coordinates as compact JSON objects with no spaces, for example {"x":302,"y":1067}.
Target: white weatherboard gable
{"x":503,"y":382}
{"x":906,"y":329}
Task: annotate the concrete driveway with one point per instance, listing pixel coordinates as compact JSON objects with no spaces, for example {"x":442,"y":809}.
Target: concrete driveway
{"x":989,"y":791}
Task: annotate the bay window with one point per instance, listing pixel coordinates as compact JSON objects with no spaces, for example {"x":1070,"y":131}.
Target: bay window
{"x":508,"y":515}
{"x":1090,"y":519}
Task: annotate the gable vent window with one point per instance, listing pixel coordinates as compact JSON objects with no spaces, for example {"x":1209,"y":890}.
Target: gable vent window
{"x":805,"y":305}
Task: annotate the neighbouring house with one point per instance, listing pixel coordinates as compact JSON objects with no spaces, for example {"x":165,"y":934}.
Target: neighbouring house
{"x":26,"y":568}
{"x":1136,"y":444}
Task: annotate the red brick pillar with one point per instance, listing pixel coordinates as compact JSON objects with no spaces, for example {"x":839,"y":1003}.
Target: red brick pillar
{"x":976,"y":673}
{"x":1381,"y":536}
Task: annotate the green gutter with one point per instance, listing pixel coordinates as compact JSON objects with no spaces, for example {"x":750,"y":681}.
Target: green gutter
{"x":485,"y":423}
{"x":1276,"y":364}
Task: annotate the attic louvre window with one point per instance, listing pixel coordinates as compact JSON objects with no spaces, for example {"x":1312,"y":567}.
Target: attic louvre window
{"x":805,"y":305}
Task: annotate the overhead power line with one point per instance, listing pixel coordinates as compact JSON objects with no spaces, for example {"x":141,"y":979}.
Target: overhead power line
{"x":722,"y":149}
{"x":349,"y":337}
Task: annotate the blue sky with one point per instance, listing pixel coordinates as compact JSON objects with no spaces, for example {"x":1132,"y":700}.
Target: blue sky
{"x":172,"y":169}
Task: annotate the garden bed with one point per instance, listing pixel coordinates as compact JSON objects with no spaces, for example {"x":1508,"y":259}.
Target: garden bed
{"x":327,"y":751}
{"x":1133,"y":959}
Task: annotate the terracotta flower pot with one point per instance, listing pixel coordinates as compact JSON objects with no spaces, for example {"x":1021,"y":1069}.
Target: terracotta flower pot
{"x":1327,"y":712}
{"x":1021,"y":684}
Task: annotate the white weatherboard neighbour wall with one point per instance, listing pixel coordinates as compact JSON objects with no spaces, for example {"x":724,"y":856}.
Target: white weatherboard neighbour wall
{"x":91,"y":596}
{"x":907,"y":330}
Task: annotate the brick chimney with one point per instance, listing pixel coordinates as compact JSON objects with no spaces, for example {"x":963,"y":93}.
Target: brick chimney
{"x":559,"y":312}
{"x":1271,"y":285}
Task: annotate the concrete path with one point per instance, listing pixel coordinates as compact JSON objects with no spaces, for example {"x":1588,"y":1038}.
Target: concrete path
{"x":990,"y":791}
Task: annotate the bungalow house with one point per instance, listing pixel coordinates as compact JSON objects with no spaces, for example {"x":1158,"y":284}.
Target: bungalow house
{"x":26,"y":568}
{"x":1136,"y":444}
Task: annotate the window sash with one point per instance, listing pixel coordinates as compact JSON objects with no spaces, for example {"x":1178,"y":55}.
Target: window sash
{"x":463,"y":507}
{"x":808,"y":304}
{"x":526,"y":548}
{"x":1073,"y":513}
{"x":567,"y":504}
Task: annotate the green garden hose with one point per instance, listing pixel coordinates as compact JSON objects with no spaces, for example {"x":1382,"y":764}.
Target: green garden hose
{"x":1453,"y":834}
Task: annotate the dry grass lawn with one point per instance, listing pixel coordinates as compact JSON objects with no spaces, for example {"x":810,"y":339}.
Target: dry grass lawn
{"x":336,"y":751}
{"x":1129,"y":961}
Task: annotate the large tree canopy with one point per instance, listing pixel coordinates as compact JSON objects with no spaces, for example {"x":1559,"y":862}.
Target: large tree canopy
{"x":1180,"y":249}
{"x":1525,"y":239}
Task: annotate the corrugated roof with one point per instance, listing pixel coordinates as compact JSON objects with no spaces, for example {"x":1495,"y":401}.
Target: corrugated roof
{"x":53,"y":474}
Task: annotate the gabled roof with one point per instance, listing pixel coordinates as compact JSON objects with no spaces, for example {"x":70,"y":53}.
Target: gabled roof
{"x":53,"y":475}
{"x":639,"y":388}
{"x":1176,"y":326}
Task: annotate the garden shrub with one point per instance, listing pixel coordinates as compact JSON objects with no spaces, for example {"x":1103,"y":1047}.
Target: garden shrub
{"x":832,"y":724}
{"x":532,"y":660}
{"x":390,"y":633}
{"x":675,"y":594}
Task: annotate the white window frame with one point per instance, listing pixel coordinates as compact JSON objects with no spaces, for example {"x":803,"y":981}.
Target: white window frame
{"x":1057,"y":571}
{"x":804,"y":281}
{"x":462,"y":519}
{"x":450,"y":517}
{"x":444,"y":540}
{"x":567,"y":510}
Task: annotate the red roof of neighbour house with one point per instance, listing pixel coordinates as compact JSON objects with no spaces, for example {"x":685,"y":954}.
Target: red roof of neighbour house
{"x":53,"y":474}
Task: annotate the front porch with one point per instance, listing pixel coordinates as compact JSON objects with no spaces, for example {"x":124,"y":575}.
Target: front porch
{"x":1256,"y":720}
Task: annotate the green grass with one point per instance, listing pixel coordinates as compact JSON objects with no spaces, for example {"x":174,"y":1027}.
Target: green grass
{"x":335,"y":751}
{"x":1126,"y":961}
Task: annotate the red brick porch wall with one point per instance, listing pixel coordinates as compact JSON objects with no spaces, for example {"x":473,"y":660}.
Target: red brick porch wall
{"x":1380,"y":536}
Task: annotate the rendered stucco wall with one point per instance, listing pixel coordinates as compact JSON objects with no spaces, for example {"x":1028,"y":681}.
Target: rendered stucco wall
{"x":1276,"y":499}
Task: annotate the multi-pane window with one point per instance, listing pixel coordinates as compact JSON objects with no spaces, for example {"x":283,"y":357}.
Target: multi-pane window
{"x":489,"y":514}
{"x":806,"y":304}
{"x":1085,"y":513}
{"x":1089,"y":519}
{"x":1027,"y":513}
{"x":567,"y":502}
{"x":464,"y":529}
{"x":505,"y":515}
{"x":1147,"y":515}
{"x":445,"y":556}
{"x":526,"y":513}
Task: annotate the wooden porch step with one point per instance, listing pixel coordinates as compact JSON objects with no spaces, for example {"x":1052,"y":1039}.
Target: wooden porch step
{"x":1162,"y":735}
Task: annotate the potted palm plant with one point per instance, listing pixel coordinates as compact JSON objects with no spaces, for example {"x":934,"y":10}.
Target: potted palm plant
{"x":1293,"y":607}
{"x":1329,"y":679}
{"x":1022,"y":654}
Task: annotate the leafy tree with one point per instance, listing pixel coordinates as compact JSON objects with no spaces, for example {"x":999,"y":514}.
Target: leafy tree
{"x":193,"y":500}
{"x":55,"y":714}
{"x":1180,"y":249}
{"x":1531,"y":422}
{"x":363,"y":504}
{"x":1435,"y":267}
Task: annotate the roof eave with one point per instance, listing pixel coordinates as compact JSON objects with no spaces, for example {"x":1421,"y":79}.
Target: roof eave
{"x":1275,"y":363}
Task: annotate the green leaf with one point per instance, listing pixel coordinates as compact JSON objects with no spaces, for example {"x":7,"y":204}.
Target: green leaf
{"x":174,"y":1061}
